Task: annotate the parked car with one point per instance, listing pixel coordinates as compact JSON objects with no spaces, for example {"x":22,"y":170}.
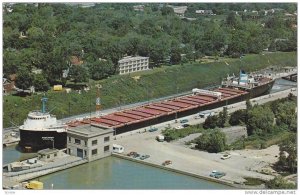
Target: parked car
{"x":225,"y":156}
{"x":197,"y":117}
{"x":143,"y":157}
{"x":136,"y":155}
{"x":185,"y":125}
{"x":167,"y":162}
{"x":217,"y":174}
{"x":152,"y":129}
{"x":184,"y":120}
{"x":131,"y":153}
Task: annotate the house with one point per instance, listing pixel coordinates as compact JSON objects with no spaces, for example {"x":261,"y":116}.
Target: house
{"x":8,"y":86}
{"x":138,"y":8}
{"x":90,"y":141}
{"x":130,"y":64}
{"x":178,"y":10}
{"x":205,"y":12}
{"x":75,"y":60}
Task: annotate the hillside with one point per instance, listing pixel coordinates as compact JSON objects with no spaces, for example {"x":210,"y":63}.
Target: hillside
{"x":151,"y":84}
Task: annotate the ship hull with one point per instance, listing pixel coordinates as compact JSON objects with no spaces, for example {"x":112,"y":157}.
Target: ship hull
{"x":31,"y":141}
{"x":261,"y":90}
{"x":255,"y":92}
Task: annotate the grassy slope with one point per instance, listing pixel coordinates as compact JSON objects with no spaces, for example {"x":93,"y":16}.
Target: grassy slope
{"x":152,"y":84}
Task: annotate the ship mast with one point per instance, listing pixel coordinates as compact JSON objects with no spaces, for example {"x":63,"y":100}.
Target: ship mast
{"x":98,"y":100}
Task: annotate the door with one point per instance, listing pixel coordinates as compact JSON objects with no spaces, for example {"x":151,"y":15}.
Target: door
{"x":79,"y":152}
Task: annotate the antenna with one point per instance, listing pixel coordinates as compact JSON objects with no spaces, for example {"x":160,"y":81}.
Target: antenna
{"x":44,"y":100}
{"x":98,"y":100}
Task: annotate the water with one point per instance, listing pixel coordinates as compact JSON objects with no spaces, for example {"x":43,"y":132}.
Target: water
{"x":281,"y":84}
{"x":114,"y":173}
{"x":11,"y":154}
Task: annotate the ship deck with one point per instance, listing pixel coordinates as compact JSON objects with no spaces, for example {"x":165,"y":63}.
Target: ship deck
{"x":158,"y":109}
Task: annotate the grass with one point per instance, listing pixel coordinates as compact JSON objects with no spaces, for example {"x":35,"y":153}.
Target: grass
{"x":123,"y":89}
{"x":253,"y":181}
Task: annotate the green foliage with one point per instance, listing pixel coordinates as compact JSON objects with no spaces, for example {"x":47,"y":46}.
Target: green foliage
{"x":78,"y":73}
{"x":253,"y":181}
{"x":100,"y":69}
{"x":260,"y":120}
{"x":223,"y":117}
{"x":24,"y":79}
{"x":40,"y":83}
{"x":214,"y":141}
{"x":238,"y":117}
{"x":288,"y":155}
{"x":173,"y":134}
{"x":280,"y":183}
{"x":211,"y":122}
{"x":188,"y":76}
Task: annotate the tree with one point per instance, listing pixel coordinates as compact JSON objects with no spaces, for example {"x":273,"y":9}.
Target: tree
{"x":210,"y":122}
{"x":78,"y":73}
{"x":280,"y":183}
{"x":166,"y":11}
{"x":40,"y":83}
{"x":100,"y":69}
{"x":175,"y":56}
{"x":24,"y":79}
{"x":260,"y":120}
{"x":212,"y":142}
{"x":238,"y":117}
{"x":223,"y":117}
{"x":286,"y":113}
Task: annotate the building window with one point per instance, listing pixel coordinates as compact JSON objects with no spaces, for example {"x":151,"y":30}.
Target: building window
{"x":77,"y":141}
{"x":106,"y":148}
{"x":69,"y":139}
{"x":94,"y":152}
{"x":69,"y":151}
{"x":85,"y":143}
{"x":94,"y":142}
{"x":55,"y":155}
{"x":106,"y":139}
{"x":48,"y":156}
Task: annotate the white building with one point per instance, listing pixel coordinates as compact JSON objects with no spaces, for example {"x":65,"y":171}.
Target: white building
{"x":133,"y":64}
{"x":90,"y":142}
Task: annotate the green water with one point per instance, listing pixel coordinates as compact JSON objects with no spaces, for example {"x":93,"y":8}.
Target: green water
{"x":115,"y":173}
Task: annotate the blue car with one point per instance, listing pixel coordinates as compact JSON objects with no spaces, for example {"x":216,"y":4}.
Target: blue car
{"x":153,"y":129}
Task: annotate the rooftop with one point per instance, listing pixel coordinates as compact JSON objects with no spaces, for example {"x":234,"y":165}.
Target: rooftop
{"x":89,"y":130}
{"x":47,"y":151}
{"x":130,"y":58}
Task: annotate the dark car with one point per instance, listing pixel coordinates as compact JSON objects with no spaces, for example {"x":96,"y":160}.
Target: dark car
{"x":185,"y":125}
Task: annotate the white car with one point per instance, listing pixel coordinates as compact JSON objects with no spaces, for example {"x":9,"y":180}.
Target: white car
{"x":225,"y":156}
{"x":179,"y":127}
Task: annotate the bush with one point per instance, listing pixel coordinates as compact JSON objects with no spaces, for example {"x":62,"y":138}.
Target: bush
{"x":280,"y":183}
{"x":214,"y":141}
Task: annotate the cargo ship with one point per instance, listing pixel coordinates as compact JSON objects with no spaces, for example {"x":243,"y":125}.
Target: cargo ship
{"x":233,"y":89}
{"x":41,"y":130}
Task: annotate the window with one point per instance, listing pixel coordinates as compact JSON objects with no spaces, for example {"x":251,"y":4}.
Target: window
{"x":94,"y":142}
{"x":106,"y":139}
{"x":85,"y":143}
{"x":48,"y":156}
{"x":106,"y":148}
{"x":77,"y":141}
{"x":55,"y":154}
{"x":94,"y":152}
{"x":69,"y":139}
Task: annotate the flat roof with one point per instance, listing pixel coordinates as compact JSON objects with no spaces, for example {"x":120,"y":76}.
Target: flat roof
{"x":89,"y":130}
{"x":47,"y":151}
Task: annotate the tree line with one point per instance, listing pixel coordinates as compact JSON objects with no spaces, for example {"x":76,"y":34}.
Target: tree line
{"x":45,"y":36}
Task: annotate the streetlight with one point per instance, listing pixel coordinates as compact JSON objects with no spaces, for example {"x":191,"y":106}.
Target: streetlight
{"x":49,"y":138}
